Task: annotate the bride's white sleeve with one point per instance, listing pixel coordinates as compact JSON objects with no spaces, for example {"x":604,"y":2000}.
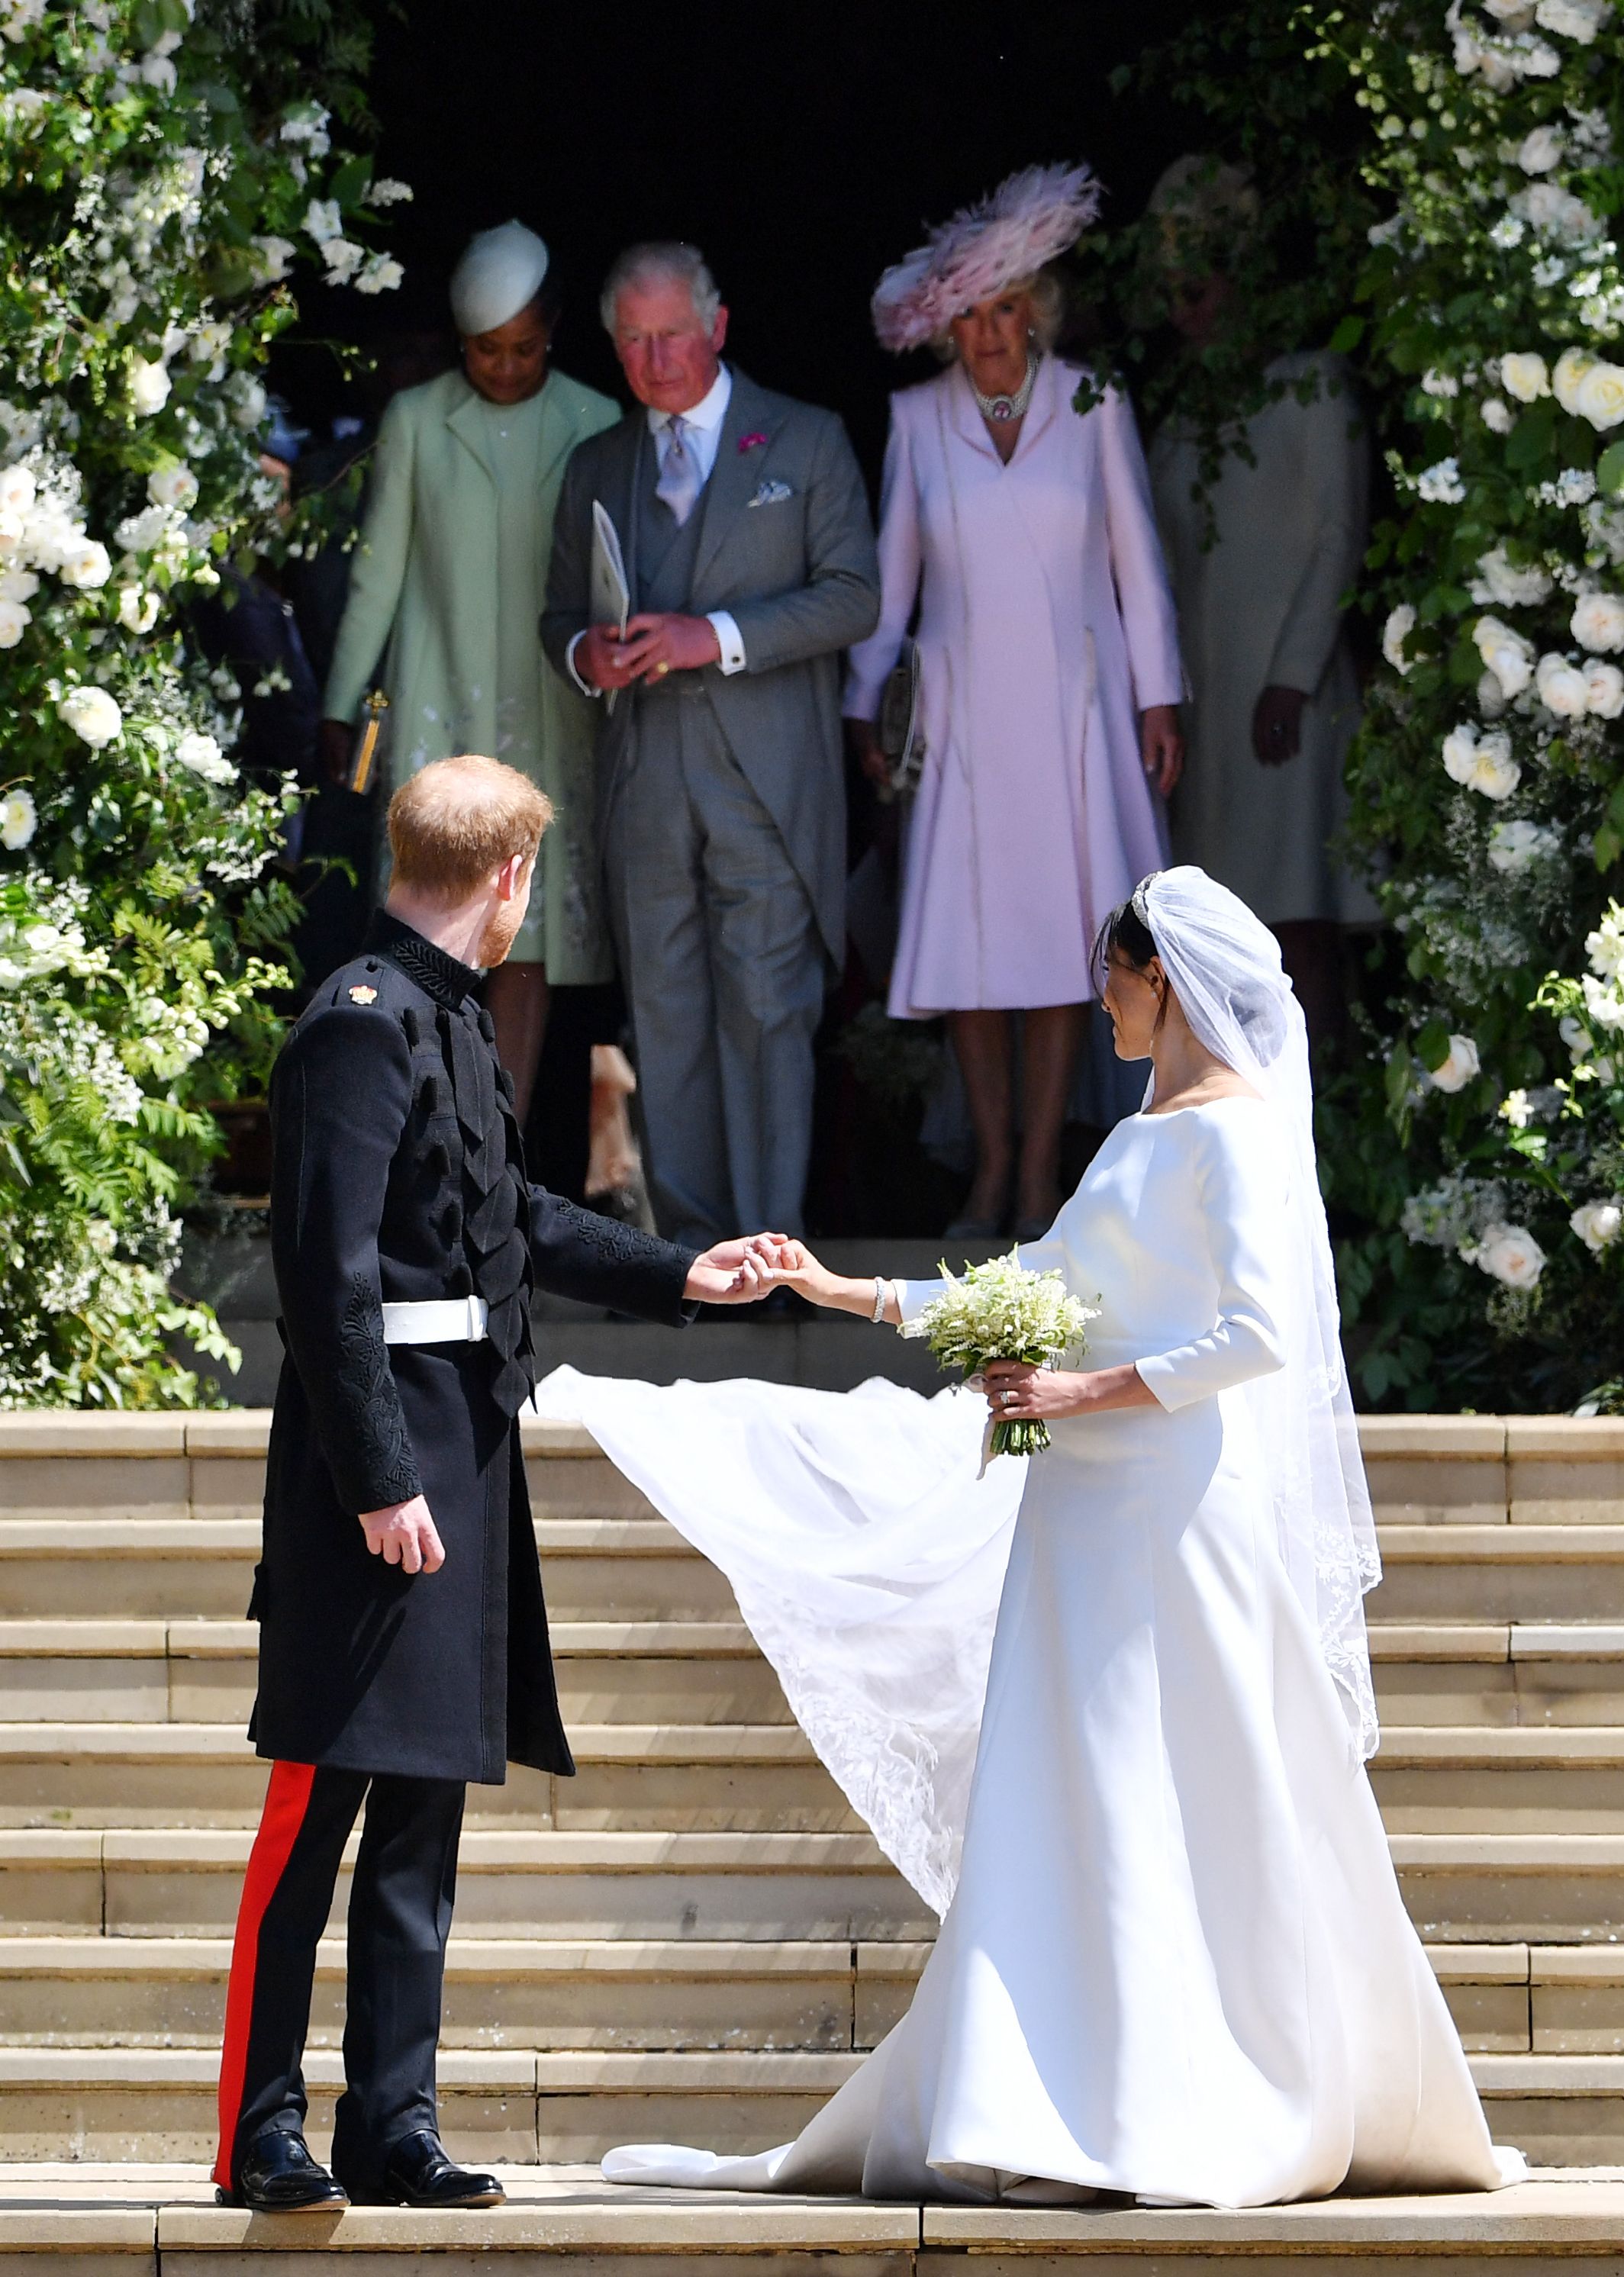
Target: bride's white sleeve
{"x":1242,"y":1183}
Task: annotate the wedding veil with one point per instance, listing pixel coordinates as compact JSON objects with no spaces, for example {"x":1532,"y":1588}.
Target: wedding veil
{"x":1224,"y":968}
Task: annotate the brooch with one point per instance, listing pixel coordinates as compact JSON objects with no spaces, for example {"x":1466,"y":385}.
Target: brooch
{"x":362,"y":994}
{"x":750,"y":443}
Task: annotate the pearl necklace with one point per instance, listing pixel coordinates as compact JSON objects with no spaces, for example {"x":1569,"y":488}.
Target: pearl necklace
{"x":1005,"y":408}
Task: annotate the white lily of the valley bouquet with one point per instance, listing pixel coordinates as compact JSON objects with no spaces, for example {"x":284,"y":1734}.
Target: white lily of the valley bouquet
{"x":1002,"y":1311}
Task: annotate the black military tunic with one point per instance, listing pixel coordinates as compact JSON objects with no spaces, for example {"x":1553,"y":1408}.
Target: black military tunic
{"x":399,"y":1176}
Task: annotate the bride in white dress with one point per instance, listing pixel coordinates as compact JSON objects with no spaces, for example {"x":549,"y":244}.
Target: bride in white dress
{"x":1175,"y":1964}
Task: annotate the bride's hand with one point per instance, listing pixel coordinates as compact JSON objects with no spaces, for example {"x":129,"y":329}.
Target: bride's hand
{"x":795,"y":1267}
{"x":1016,"y":1392}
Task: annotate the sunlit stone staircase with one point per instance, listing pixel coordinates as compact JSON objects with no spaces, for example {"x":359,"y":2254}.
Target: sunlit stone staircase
{"x":695,"y":1938}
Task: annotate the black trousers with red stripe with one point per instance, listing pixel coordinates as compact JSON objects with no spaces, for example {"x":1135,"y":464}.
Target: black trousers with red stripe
{"x":400,"y":1918}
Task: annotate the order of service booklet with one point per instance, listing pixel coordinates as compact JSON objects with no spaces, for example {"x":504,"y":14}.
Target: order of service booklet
{"x":611,"y":595}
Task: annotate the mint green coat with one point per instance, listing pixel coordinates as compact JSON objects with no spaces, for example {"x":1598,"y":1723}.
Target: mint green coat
{"x":431,"y":618}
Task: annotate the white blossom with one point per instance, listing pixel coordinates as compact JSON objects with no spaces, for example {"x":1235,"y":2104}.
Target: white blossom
{"x":1481,"y":763}
{"x":248,"y":401}
{"x":14,"y":623}
{"x":1603,"y":689}
{"x":275,"y":257}
{"x":1400,"y":623}
{"x":1571,"y":367}
{"x":1555,"y":212}
{"x":1440,"y":383}
{"x":1508,"y":232}
{"x":18,"y":584}
{"x":174,"y":486}
{"x":1598,"y":622}
{"x":22,"y":110}
{"x":380,"y":275}
{"x":1599,"y":396}
{"x":1497,"y":415}
{"x":1541,"y":149}
{"x":18,"y":18}
{"x":1573,"y":19}
{"x":92,"y":714}
{"x":1597,"y":1224}
{"x":149,"y":385}
{"x":1517,"y":1108}
{"x":323,"y":221}
{"x":1441,"y":484}
{"x":1524,"y":374}
{"x":86,"y":563}
{"x":1560,"y":686}
{"x":1514,"y":846}
{"x":1604,"y":947}
{"x":1602,"y":1001}
{"x":19,"y":818}
{"x":1460,"y":1066}
{"x":1507,"y":655}
{"x":203,"y":755}
{"x":16,"y":490}
{"x":1490,"y":701}
{"x":143,"y":532}
{"x":138,"y":611}
{"x":343,"y":257}
{"x":1509,"y":1254}
{"x":386,"y":191}
{"x":1513,"y":585}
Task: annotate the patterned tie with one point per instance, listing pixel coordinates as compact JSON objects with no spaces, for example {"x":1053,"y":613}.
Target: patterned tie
{"x":679,"y":474}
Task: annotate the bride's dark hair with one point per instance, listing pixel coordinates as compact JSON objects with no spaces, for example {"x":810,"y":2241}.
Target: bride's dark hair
{"x":1125,"y":935}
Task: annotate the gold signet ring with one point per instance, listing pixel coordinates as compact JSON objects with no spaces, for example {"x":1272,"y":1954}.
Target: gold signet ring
{"x":661,"y":668}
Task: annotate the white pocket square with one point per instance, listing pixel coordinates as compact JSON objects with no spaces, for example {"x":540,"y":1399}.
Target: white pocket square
{"x":772,"y":494}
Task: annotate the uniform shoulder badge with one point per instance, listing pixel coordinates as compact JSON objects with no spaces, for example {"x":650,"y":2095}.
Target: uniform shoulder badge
{"x":362,"y":994}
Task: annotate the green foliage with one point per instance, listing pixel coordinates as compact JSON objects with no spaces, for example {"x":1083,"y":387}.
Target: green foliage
{"x":163,"y":172}
{"x":1436,"y":195}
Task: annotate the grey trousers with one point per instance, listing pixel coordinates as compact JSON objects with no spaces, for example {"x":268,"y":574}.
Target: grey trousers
{"x":724,"y":971}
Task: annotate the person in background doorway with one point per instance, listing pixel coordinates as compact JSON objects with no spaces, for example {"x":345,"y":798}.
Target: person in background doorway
{"x":1260,"y":568}
{"x":445,"y":594}
{"x":1049,"y":676}
{"x":749,"y":556}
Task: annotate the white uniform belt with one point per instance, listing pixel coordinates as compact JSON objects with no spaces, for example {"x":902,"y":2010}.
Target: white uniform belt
{"x":446,"y":1321}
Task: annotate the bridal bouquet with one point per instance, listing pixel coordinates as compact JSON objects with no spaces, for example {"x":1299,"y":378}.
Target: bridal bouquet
{"x":1001,"y":1311}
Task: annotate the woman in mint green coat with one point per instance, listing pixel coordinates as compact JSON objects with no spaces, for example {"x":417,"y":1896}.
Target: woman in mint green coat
{"x":445,"y":592}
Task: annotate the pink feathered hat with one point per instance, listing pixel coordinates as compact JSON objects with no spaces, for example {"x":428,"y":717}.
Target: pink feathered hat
{"x":1027,"y":221}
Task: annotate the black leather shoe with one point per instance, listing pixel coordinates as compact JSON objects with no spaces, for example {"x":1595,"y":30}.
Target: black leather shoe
{"x":277,"y":2176}
{"x":417,"y":2173}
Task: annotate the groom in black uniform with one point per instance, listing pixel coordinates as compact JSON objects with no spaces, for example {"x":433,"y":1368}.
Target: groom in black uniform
{"x":403,"y":1639}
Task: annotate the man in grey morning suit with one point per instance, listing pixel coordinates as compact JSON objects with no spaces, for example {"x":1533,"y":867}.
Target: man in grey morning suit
{"x":751,"y":558}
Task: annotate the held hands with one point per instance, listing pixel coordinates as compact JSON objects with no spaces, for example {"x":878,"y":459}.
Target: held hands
{"x":403,"y":1533}
{"x":1160,"y":745}
{"x":653,"y":645}
{"x":737,"y":1272}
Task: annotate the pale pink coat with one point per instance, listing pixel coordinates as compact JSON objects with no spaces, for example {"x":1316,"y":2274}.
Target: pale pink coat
{"x":1046,"y":626}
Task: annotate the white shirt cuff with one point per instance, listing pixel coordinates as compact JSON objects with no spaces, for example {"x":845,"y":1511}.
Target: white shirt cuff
{"x":570,"y":659}
{"x":728,"y":639}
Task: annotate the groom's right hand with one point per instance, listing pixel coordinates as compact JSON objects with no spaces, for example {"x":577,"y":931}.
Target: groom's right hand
{"x":404,"y":1534}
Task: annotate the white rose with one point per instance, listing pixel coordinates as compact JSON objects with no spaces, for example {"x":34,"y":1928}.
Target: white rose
{"x":1573,"y":19}
{"x":1513,"y":845}
{"x":174,"y":486}
{"x":1597,"y":1224}
{"x":1560,"y":686}
{"x":1490,"y":701}
{"x":1461,"y":754}
{"x":247,"y":403}
{"x":138,"y":611}
{"x":1541,"y":149}
{"x":275,"y":257}
{"x":1513,"y":585}
{"x":139,"y":533}
{"x":1599,"y":396}
{"x":1483,"y":764}
{"x":14,"y":623}
{"x":1524,"y":375}
{"x":19,"y":819}
{"x":1571,"y":366}
{"x":1598,"y":622}
{"x":1510,"y":1253}
{"x":1497,"y":415}
{"x":203,"y":755}
{"x":380,"y":275}
{"x":321,"y":219}
{"x":1459,"y":1068}
{"x":149,"y":385}
{"x":1395,"y":632}
{"x":18,"y":584}
{"x":16,"y":490}
{"x":92,"y":714}
{"x":1507,"y":655}
{"x":1515,"y":15}
{"x":1605,"y":687}
{"x":88,"y":564}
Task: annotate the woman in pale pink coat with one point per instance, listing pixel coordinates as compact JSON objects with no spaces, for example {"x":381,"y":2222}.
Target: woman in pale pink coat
{"x":1048,"y":673}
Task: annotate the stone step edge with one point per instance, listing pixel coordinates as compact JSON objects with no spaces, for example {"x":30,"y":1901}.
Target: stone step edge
{"x":1424,"y":1747}
{"x":637,"y":1851}
{"x":637,"y":2072}
{"x":512,"y":1959}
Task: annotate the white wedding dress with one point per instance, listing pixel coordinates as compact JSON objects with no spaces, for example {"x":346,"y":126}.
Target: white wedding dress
{"x":1175,"y":1964}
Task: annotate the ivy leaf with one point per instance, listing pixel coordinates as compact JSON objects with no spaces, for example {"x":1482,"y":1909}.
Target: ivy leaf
{"x":1530,"y":440}
{"x":349,"y":183}
{"x":1347,"y":336}
{"x":1609,"y":469}
{"x":1609,"y":846}
{"x":1432,"y":1043}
